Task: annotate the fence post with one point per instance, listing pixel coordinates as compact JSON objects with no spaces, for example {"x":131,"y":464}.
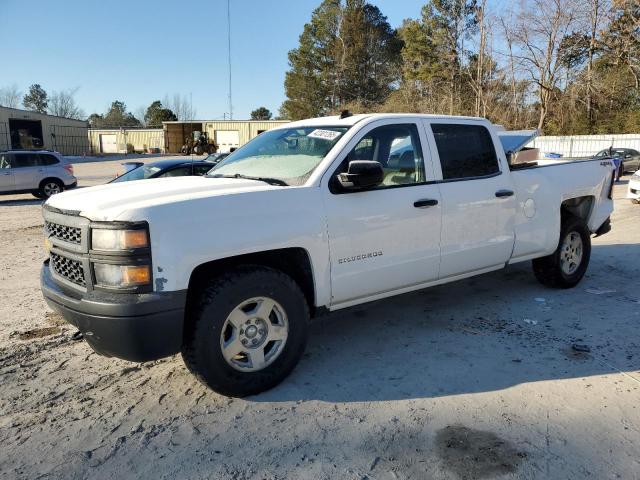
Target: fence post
{"x":570,"y":146}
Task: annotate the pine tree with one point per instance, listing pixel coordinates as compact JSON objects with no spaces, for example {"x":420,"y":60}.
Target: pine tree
{"x":36,"y":99}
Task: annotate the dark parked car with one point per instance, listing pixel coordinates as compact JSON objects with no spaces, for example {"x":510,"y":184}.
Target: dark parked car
{"x":166,"y":168}
{"x":630,"y":158}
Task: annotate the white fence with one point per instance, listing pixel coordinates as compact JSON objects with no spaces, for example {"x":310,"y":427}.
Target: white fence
{"x":584,"y":145}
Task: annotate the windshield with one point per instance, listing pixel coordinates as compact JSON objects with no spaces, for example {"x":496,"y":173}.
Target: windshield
{"x":289,"y":154}
{"x":140,"y":173}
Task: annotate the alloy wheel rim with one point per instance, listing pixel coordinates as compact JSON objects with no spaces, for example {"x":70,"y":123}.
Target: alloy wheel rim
{"x":571,"y":253}
{"x":254,"y":334}
{"x":51,"y":189}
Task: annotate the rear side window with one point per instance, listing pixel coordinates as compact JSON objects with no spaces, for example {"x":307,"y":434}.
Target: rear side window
{"x":46,"y":159}
{"x":176,"y":172}
{"x":465,"y":151}
{"x":201,"y":169}
{"x":24,"y":160}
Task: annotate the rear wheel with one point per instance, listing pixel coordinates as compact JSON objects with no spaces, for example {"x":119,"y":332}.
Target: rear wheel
{"x":249,"y":331}
{"x":50,"y":187}
{"x":565,"y":267}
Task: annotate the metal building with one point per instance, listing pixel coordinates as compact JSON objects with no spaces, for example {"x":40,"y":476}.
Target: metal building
{"x":22,"y":129}
{"x":126,"y":140}
{"x":226,"y":134}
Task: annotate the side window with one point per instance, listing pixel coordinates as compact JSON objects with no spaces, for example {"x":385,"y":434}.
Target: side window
{"x":397,"y":148}
{"x":47,"y":159}
{"x":201,"y":169}
{"x":24,"y":160}
{"x":176,"y":172}
{"x":6,"y":160}
{"x":465,"y":151}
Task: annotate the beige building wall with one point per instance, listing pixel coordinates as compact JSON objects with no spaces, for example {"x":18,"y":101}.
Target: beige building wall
{"x":65,"y":135}
{"x":147,"y":140}
{"x":247,"y":130}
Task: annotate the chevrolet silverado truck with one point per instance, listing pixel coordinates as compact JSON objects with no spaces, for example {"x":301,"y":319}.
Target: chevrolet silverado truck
{"x":314,"y":216}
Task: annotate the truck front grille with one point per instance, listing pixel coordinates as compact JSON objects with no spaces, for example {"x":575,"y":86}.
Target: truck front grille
{"x":64,"y":232}
{"x":69,"y":269}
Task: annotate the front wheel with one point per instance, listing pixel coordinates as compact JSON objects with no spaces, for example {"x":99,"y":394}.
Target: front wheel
{"x":248,"y":331}
{"x":565,"y":267}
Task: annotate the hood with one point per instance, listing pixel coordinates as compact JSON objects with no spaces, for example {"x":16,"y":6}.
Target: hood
{"x":107,"y":202}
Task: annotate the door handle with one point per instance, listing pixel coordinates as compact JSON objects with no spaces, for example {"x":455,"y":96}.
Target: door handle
{"x":425,"y":203}
{"x":504,"y":193}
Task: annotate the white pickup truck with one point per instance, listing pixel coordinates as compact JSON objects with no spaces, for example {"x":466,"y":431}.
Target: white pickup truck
{"x":316,"y":215}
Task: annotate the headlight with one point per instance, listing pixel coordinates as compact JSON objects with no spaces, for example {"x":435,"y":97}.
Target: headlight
{"x":121,"y":276}
{"x":113,"y":240}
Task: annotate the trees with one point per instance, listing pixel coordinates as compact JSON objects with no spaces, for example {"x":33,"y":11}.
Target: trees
{"x":156,"y":114}
{"x":63,"y":104}
{"x":36,"y":99}
{"x":261,"y":113}
{"x":180,"y":105}
{"x":10,"y":96}
{"x":117,"y":116}
{"x":348,"y":54}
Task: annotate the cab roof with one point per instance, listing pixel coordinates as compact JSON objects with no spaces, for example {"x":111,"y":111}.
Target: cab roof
{"x":338,"y":121}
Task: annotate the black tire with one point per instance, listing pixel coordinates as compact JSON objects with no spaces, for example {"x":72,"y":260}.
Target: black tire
{"x":202,"y":350}
{"x":548,"y":270}
{"x":47,"y":187}
{"x":37,"y":194}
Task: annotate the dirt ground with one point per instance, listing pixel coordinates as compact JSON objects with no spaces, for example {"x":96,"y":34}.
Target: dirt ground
{"x":476,"y":379}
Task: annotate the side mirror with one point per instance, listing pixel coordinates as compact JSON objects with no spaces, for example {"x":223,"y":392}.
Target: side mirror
{"x":361,"y":175}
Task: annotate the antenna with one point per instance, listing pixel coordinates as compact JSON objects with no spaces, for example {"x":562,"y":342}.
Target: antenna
{"x":229,"y":54}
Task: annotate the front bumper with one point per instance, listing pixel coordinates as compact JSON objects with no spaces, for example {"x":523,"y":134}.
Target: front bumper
{"x":135,"y":327}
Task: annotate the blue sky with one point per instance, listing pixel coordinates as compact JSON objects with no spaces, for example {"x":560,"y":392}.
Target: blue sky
{"x":139,"y":50}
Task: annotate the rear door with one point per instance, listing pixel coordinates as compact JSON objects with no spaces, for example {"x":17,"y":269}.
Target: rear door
{"x":478,"y":201}
{"x":386,"y":238}
{"x":7,"y":183}
{"x":29,"y":171}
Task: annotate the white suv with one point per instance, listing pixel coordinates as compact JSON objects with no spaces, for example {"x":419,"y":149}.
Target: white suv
{"x":42,"y":173}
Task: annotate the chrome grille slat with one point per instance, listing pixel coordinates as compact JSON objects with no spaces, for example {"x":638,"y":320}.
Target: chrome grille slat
{"x":71,"y":270}
{"x":64,"y":232}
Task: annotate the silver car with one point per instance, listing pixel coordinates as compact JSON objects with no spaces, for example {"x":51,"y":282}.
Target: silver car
{"x":42,"y":173}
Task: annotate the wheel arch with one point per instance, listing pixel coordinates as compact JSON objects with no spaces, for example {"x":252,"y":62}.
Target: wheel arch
{"x":579,"y":207}
{"x":293,"y":261}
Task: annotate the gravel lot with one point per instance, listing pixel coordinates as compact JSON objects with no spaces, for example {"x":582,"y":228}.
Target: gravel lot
{"x":475,"y":379}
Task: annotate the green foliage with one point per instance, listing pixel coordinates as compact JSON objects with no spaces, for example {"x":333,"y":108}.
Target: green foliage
{"x":117,"y":116}
{"x":350,"y":57}
{"x":348,"y":52}
{"x":156,"y":114}
{"x":261,"y":113}
{"x":36,"y":99}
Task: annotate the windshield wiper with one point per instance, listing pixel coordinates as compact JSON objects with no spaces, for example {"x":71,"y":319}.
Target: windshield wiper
{"x":269,"y":180}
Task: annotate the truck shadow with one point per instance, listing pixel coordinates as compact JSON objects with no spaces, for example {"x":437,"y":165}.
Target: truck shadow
{"x":481,"y":334}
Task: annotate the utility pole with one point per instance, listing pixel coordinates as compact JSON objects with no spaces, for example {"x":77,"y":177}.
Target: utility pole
{"x":229,"y":55}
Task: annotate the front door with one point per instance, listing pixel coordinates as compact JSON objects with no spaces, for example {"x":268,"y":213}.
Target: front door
{"x":386,"y":238}
{"x":478,"y":198}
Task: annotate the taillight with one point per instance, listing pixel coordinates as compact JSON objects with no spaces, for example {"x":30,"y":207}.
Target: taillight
{"x":69,"y":168}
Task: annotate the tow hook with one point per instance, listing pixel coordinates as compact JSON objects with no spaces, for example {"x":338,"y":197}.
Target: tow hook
{"x":77,"y":336}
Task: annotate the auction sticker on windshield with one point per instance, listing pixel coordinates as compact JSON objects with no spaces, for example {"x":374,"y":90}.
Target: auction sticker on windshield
{"x":324,"y":134}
